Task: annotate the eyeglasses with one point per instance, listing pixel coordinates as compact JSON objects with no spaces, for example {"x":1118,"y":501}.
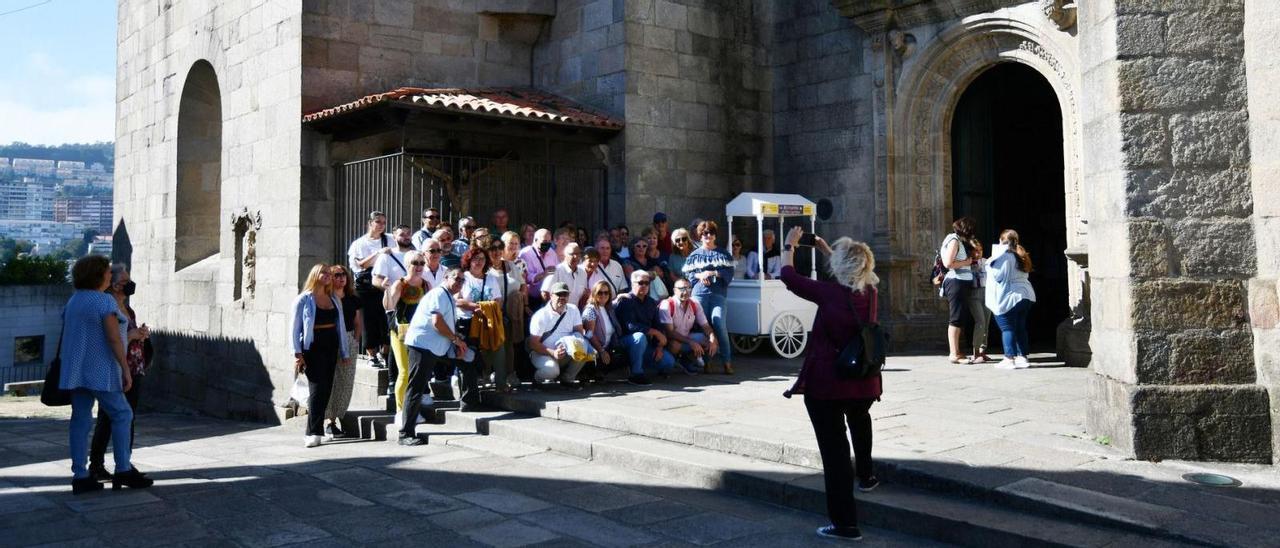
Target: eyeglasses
{"x":604,"y":292}
{"x":434,"y":251}
{"x":642,"y":283}
{"x":737,"y":244}
{"x":682,"y":240}
{"x":339,"y":274}
{"x":683,"y":288}
{"x":418,"y":263}
{"x":431,"y":217}
{"x":708,"y":233}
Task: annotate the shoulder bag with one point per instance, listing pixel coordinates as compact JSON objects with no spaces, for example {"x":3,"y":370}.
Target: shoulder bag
{"x":52,"y":393}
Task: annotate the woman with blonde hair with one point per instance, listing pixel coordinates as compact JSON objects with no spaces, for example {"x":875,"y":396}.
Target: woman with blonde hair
{"x":601,"y":326}
{"x":1009,"y":296}
{"x":318,"y":344}
{"x":344,"y":289}
{"x":400,"y":302}
{"x":836,"y":404}
{"x":681,"y":247}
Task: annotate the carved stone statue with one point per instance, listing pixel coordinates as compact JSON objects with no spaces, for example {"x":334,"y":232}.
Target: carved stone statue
{"x":1061,"y":12}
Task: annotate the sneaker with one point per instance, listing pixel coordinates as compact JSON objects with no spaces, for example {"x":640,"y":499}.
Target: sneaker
{"x":313,"y":441}
{"x":639,"y":380}
{"x":690,"y":367}
{"x":1021,"y":362}
{"x":332,"y":432}
{"x":840,"y":533}
{"x":868,"y":485}
{"x":411,"y":441}
{"x":1006,"y":364}
{"x":376,"y":362}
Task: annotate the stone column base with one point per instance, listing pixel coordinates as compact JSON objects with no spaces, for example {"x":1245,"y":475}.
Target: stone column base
{"x":1229,"y":423}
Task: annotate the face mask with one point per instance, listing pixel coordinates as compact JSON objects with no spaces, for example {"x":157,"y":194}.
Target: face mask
{"x":544,"y":246}
{"x":130,"y":287}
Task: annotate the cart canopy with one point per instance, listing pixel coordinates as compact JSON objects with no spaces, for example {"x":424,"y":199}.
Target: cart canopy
{"x":751,"y":204}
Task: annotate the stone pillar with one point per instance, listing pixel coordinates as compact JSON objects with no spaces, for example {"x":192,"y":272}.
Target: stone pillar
{"x":1262,"y":25}
{"x":1166,"y":153}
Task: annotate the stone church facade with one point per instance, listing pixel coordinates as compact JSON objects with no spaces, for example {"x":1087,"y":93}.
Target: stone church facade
{"x":1146,"y":163}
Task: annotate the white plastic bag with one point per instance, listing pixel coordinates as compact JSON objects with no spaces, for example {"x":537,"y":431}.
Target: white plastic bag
{"x":301,"y":391}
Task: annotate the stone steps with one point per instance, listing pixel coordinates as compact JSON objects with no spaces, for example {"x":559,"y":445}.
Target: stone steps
{"x":574,"y":425}
{"x":922,"y":512}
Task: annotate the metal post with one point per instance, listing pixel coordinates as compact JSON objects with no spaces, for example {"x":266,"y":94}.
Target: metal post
{"x":813,"y":251}
{"x":760,"y":245}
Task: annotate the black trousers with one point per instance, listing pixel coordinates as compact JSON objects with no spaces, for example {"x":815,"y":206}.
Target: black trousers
{"x":322,"y":361}
{"x":375,"y":319}
{"x":423,"y":366}
{"x":829,"y":419}
{"x":102,"y":430}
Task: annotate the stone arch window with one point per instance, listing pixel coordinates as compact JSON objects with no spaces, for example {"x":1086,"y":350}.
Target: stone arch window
{"x":199,"y":185}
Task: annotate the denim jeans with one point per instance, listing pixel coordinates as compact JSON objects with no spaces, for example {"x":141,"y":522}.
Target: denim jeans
{"x":116,"y":407}
{"x":1013,"y":329}
{"x":714,"y":307}
{"x":641,"y":354}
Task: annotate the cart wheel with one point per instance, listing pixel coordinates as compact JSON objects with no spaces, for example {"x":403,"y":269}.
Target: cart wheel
{"x":788,"y":336}
{"x":745,"y":344}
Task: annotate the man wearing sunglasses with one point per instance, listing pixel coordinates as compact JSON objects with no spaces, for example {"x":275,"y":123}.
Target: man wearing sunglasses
{"x":434,"y":270}
{"x":430,"y":223}
{"x":642,"y":333}
{"x":680,"y":314}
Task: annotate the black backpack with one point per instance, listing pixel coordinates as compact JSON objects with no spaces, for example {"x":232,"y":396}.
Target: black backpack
{"x":864,"y":355}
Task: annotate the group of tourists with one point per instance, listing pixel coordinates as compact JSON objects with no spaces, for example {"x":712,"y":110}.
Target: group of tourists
{"x":487,"y":307}
{"x":977,"y":287}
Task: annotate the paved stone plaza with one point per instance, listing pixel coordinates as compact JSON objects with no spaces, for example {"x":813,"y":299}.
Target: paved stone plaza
{"x":222,"y":483}
{"x":1017,"y":434}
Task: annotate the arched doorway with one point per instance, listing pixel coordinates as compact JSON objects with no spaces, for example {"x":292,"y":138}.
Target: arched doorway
{"x":1007,"y":172}
{"x":199,"y":185}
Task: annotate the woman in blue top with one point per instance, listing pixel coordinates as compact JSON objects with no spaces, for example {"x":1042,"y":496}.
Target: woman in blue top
{"x":710,"y":270}
{"x":1009,"y":295}
{"x":318,"y":345}
{"x":94,"y":368}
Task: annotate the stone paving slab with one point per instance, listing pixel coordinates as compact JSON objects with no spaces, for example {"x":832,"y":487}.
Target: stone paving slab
{"x":972,"y":427}
{"x":370,"y":493}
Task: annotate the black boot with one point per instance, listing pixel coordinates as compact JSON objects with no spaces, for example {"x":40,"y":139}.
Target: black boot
{"x":80,"y":486}
{"x":99,"y":473}
{"x":132,"y":479}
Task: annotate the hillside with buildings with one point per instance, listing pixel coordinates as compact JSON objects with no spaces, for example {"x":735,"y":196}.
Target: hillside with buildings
{"x":52,"y":196}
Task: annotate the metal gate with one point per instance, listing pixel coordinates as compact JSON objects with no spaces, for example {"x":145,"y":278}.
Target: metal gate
{"x":402,"y":185}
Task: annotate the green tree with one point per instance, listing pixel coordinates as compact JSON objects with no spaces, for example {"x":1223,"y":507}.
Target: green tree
{"x":33,"y":270}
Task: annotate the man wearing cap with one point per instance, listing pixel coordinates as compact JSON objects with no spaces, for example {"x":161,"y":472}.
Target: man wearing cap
{"x":548,"y":329}
{"x":660,"y":226}
{"x":642,"y":333}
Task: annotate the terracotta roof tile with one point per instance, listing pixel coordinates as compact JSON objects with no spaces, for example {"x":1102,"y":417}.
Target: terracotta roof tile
{"x":510,"y":102}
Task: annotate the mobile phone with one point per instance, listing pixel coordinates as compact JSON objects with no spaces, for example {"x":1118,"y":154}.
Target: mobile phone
{"x":807,"y":240}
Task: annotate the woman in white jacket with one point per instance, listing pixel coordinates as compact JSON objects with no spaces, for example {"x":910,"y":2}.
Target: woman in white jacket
{"x":1009,"y":295}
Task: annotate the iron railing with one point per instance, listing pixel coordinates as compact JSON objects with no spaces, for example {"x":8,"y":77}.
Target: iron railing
{"x":402,"y":185}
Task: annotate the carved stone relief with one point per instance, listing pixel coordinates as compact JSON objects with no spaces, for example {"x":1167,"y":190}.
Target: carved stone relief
{"x":1061,"y":12}
{"x":245,"y":226}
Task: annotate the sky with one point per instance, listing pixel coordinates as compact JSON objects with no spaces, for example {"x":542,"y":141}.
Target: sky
{"x":57,"y":71}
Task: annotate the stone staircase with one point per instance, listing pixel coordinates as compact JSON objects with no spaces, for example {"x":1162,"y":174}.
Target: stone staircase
{"x":961,"y":509}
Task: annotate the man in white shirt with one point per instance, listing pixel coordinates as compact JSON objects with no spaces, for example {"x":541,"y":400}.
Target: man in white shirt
{"x":570,"y":273}
{"x":610,"y":267}
{"x":361,"y":255}
{"x":435,"y":270}
{"x":390,"y":266}
{"x":679,"y":315}
{"x":548,"y":329}
{"x":430,"y":223}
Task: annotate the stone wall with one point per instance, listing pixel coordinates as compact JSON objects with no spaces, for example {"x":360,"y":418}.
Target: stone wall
{"x":254,"y":48}
{"x":822,"y":119}
{"x":1261,"y":26}
{"x":31,"y":310}
{"x":697,"y":103}
{"x":1168,"y":153}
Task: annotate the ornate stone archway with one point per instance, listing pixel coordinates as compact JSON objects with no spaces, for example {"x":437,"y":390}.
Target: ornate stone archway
{"x":923,"y":80}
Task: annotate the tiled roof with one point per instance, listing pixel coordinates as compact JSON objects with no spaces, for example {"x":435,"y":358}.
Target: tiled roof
{"x":505,"y":102}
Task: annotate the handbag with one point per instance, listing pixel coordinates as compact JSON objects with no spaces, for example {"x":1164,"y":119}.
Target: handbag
{"x":864,"y":355}
{"x":52,"y":393}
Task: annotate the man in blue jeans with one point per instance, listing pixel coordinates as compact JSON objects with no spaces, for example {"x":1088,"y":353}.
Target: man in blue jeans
{"x":642,"y":330}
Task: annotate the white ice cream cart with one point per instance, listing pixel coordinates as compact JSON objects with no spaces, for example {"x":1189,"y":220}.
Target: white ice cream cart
{"x":762,"y":309}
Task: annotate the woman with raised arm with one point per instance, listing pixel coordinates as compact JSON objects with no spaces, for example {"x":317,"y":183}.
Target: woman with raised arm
{"x":837,"y":404}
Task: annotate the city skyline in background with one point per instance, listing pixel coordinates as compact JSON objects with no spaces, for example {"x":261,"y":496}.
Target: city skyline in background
{"x":58,"y":85}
